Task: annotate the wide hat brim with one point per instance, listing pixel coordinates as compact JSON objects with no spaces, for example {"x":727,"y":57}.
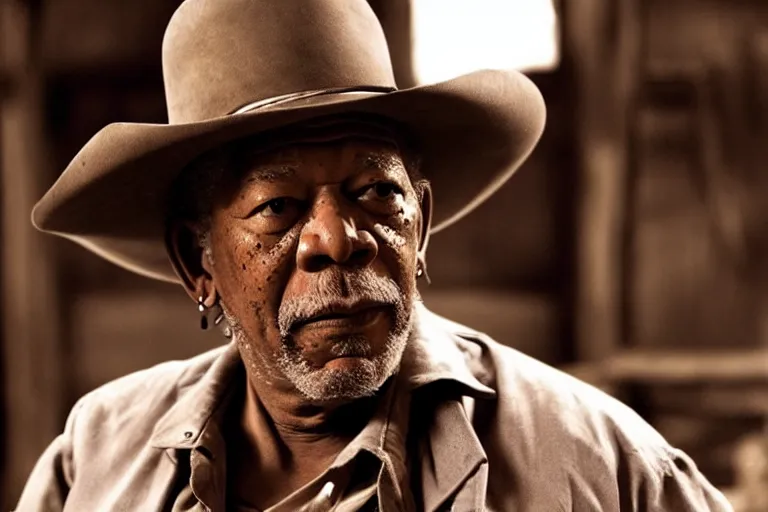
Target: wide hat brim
{"x":472,"y":133}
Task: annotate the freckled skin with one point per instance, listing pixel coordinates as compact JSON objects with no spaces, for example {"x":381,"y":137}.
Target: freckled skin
{"x":257,"y":265}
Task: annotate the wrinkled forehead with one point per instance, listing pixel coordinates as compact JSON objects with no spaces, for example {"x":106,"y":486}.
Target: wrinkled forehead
{"x":221,"y":171}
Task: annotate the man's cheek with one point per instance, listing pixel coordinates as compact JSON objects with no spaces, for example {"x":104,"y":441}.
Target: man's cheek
{"x":390,"y":236}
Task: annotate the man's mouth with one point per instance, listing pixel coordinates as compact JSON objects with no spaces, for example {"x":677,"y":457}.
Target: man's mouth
{"x":344,"y":317}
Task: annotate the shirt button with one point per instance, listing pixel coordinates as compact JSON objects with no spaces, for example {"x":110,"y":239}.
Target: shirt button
{"x":327,"y":490}
{"x":187,"y":435}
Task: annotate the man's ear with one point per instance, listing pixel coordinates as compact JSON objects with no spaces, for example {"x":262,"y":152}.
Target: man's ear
{"x":191,"y":263}
{"x":426,"y":218}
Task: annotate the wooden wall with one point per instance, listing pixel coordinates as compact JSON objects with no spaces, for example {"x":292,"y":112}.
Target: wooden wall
{"x":695,"y":247}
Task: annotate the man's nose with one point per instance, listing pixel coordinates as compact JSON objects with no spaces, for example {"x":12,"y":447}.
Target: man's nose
{"x":331,"y":237}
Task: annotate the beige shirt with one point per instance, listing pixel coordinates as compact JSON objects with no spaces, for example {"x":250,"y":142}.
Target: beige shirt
{"x":369,"y":472}
{"x":484,"y":428}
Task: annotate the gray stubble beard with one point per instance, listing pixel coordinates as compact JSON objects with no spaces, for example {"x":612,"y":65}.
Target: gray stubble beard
{"x":328,"y":384}
{"x":320,"y":385}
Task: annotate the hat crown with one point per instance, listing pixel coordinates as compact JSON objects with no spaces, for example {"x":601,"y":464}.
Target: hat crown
{"x":219,"y":55}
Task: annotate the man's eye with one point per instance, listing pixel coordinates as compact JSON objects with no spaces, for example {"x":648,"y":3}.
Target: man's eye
{"x":381,"y":191}
{"x":381,"y":198}
{"x":279,"y":207}
{"x":275,"y":207}
{"x":384,"y":189}
{"x":276,"y":215}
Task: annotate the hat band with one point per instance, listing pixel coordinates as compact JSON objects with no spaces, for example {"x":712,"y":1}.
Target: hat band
{"x":287,"y":98}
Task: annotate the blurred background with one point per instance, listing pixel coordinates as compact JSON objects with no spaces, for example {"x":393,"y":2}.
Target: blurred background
{"x":631,"y":250}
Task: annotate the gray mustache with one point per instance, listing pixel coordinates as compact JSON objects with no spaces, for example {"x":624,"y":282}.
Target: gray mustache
{"x":337,"y":289}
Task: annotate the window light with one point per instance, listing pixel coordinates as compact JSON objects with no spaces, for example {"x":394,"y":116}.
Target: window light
{"x":454,"y":37}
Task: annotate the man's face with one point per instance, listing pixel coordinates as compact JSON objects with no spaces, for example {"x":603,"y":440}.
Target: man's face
{"x":314,"y":250}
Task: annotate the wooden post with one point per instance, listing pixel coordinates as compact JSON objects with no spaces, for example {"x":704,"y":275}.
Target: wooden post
{"x":602,"y":37}
{"x":31,"y":349}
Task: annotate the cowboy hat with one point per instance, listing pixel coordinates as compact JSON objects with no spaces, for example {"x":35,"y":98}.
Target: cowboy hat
{"x":237,"y":68}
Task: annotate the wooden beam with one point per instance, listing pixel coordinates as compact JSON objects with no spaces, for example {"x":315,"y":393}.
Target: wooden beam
{"x":726,"y":402}
{"x":602,"y":40}
{"x":5,"y":84}
{"x":31,"y":350}
{"x":678,"y":367}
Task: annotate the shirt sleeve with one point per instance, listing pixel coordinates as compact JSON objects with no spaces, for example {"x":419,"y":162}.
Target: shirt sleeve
{"x":681,"y":487}
{"x":48,"y":485}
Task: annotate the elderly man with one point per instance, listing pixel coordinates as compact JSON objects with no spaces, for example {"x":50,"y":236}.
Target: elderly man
{"x":291,"y":194}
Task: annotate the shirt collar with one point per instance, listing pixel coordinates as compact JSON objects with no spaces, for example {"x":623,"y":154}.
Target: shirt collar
{"x":202,"y":392}
{"x":432,"y":355}
{"x":436,"y":353}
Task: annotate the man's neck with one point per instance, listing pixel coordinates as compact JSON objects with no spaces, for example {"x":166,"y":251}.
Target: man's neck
{"x":297,"y":421}
{"x":284,"y":442}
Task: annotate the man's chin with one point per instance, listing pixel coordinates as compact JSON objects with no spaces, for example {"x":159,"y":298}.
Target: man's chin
{"x":349,"y":370}
{"x":340,"y":380}
{"x":346,"y":363}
